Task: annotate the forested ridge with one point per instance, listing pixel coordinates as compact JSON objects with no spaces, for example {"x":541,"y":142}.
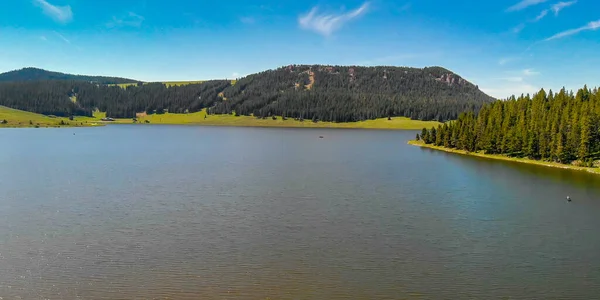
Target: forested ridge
{"x":562,"y":127}
{"x":350,"y":93}
{"x":318,"y":93}
{"x":65,"y":98}
{"x":35,"y":74}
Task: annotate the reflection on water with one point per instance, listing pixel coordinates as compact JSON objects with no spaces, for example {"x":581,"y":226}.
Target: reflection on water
{"x":170,"y":212}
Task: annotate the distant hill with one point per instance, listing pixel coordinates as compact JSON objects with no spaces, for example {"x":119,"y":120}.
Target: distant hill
{"x":35,"y":74}
{"x":303,"y":92}
{"x":353,"y":93}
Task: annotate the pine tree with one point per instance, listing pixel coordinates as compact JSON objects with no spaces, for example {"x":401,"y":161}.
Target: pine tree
{"x":562,"y":127}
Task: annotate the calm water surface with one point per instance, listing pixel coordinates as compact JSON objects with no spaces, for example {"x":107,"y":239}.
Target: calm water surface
{"x":173,"y":212}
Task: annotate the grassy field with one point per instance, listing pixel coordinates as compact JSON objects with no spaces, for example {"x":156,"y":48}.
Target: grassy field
{"x":19,"y":118}
{"x":168,"y":83}
{"x":507,"y":158}
{"x":198,"y":118}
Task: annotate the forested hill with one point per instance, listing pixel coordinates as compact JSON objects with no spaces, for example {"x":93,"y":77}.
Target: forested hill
{"x":561,"y":127}
{"x":350,"y":93}
{"x":318,"y":93}
{"x":35,"y":74}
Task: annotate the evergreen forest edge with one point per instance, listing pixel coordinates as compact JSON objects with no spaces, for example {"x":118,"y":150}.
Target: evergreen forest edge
{"x":301,"y":92}
{"x":560,"y":127}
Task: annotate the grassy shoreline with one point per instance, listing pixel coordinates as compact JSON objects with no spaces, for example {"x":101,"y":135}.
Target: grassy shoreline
{"x":507,"y":158}
{"x":18,"y":119}
{"x":202,"y":119}
{"x":23,"y":119}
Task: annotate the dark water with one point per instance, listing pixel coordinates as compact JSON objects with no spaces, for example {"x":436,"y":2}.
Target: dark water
{"x":169,"y":212}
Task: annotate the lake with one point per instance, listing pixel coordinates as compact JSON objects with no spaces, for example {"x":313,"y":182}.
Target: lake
{"x":182,"y":212}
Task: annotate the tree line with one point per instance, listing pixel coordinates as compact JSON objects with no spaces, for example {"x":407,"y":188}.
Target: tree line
{"x":152,"y":98}
{"x":562,"y":127}
{"x":312,"y":92}
{"x":80,"y":98}
{"x":351,"y":93}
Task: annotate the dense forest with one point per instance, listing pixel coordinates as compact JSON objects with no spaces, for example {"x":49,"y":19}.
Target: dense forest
{"x":65,"y":98}
{"x":562,"y":127}
{"x":318,"y":93}
{"x":35,"y":74}
{"x":346,"y":94}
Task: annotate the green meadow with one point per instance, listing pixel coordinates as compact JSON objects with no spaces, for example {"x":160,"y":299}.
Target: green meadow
{"x":201,"y":118}
{"x":19,"y":118}
{"x":167,"y":83}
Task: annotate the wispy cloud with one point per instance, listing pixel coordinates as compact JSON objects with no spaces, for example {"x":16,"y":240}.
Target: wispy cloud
{"x":514,"y":83}
{"x":62,"y":14}
{"x":556,"y":8}
{"x":131,"y":19}
{"x":43,"y":38}
{"x":590,"y":26}
{"x":247,"y":20}
{"x":62,"y":37}
{"x":503,"y":90}
{"x":518,"y":28}
{"x":530,"y":72}
{"x":541,"y":15}
{"x":524,"y":4}
{"x":235,"y":75}
{"x":505,"y":60}
{"x":512,"y":79}
{"x":326,"y":24}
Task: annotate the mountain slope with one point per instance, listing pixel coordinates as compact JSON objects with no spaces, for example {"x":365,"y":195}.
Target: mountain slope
{"x":350,"y":93}
{"x":35,"y":74}
{"x":318,"y":93}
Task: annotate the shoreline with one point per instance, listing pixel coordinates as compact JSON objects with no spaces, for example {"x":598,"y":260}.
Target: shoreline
{"x":201,"y":118}
{"x":14,"y":118}
{"x":320,"y":125}
{"x":23,"y":119}
{"x":595,"y":171}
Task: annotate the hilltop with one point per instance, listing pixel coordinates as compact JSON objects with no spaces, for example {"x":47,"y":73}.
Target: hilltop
{"x":353,"y":93}
{"x":35,"y":74}
{"x":301,"y":92}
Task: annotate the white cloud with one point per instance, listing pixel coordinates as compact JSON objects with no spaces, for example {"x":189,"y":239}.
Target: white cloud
{"x":515,"y":83}
{"x":506,"y":60}
{"x":524,"y":4}
{"x":43,"y":38}
{"x":235,"y":75}
{"x":518,"y":28}
{"x":62,"y":14}
{"x":62,"y":37}
{"x":130,"y":19}
{"x":556,"y":8}
{"x":512,"y":79}
{"x":541,"y":15}
{"x":503,"y":90}
{"x":530,"y":72}
{"x":326,"y":24}
{"x":521,"y":26}
{"x":590,"y":26}
{"x":247,"y":20}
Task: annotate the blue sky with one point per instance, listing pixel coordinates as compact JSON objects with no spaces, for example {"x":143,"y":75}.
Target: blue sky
{"x":505,"y":46}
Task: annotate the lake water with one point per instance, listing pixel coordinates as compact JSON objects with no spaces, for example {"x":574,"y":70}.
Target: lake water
{"x":175,"y":212}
